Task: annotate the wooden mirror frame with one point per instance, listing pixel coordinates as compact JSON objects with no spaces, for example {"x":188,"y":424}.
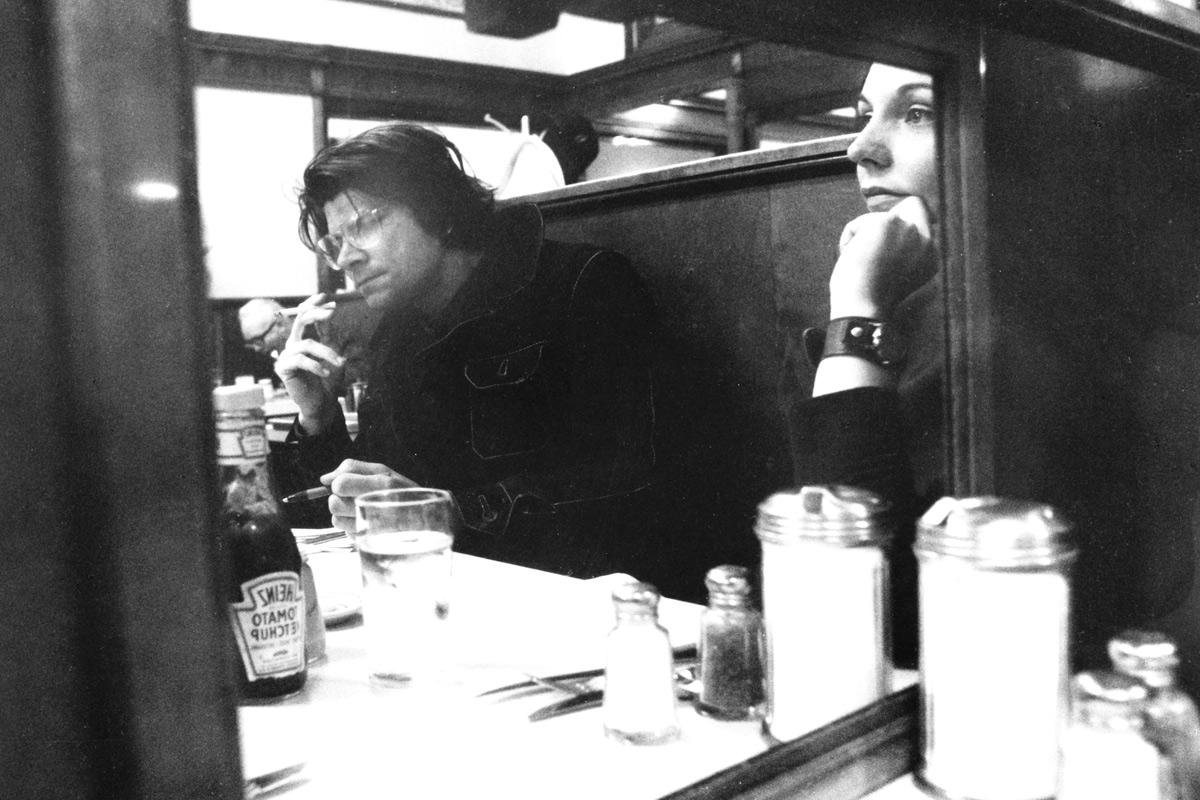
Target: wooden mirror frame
{"x":108,"y":455}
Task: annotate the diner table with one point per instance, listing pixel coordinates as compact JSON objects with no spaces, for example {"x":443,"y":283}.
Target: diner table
{"x":438,"y":738}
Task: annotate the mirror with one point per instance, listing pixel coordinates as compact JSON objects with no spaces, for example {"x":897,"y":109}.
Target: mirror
{"x":721,"y":172}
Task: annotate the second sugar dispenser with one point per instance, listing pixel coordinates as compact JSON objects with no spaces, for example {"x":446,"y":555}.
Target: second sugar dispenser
{"x":995,"y":602}
{"x":825,"y":604}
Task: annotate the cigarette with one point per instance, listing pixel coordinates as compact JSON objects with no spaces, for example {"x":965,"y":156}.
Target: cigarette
{"x":336,"y":297}
{"x":315,"y":493}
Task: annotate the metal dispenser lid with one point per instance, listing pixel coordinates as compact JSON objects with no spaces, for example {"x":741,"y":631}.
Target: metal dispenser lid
{"x":635,"y":598}
{"x":996,"y":533}
{"x":728,"y":578}
{"x":1149,"y":655}
{"x":728,"y":583}
{"x":833,"y":514}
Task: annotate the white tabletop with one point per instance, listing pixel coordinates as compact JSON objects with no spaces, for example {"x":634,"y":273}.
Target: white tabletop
{"x":440,"y":740}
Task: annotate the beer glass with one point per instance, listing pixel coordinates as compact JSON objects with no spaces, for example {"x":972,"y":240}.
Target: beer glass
{"x":403,"y":539}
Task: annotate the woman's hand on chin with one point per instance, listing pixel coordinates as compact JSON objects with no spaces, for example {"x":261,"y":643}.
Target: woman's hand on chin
{"x":883,"y":257}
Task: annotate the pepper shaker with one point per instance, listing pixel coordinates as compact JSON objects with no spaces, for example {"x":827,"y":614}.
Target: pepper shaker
{"x":731,"y":645}
{"x":825,"y":603}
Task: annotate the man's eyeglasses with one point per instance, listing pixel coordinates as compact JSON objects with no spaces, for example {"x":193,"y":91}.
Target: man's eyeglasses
{"x":363,"y":231}
{"x":259,"y":343}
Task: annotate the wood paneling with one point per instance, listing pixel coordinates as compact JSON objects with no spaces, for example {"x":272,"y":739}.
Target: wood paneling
{"x":1094,"y":183}
{"x":738,"y":263}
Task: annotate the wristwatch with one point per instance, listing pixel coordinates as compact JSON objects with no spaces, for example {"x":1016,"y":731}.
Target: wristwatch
{"x":878,"y":342}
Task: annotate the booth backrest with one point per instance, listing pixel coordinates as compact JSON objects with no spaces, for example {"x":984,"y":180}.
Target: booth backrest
{"x":737,"y":253}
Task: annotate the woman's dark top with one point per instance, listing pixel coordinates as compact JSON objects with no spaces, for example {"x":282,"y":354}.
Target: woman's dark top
{"x":887,"y":441}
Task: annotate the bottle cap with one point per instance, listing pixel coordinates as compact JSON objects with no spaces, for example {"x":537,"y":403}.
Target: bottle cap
{"x":635,"y":597}
{"x":728,"y":579}
{"x":996,"y":533}
{"x":1144,"y":654}
{"x":841,"y":515}
{"x":237,"y":398}
{"x":1107,"y":699}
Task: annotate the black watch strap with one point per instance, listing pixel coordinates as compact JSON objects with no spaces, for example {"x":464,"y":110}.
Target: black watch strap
{"x":862,"y":337}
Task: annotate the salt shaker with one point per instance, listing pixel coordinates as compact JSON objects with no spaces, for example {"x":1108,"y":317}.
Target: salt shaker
{"x":731,"y":645}
{"x":1172,"y":723}
{"x":1105,"y":756}
{"x":824,"y":594}
{"x":994,"y":600}
{"x":639,"y":675}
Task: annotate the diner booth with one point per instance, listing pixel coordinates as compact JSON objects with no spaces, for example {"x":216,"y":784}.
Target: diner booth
{"x":1069,"y":339}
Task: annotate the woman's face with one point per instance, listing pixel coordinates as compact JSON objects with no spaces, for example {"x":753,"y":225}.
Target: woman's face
{"x":896,"y":152}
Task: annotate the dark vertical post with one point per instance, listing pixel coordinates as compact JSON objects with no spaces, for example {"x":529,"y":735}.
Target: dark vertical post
{"x":739,"y":124}
{"x":328,"y":280}
{"x":115,"y":678}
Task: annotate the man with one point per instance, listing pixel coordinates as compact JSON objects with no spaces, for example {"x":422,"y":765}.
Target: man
{"x":264,"y":329}
{"x":511,"y":370}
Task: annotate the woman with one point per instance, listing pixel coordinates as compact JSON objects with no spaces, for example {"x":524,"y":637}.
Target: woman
{"x":876,"y":408}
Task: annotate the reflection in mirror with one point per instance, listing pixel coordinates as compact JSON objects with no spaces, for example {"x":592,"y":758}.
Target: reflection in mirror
{"x":716,"y":167}
{"x":875,"y":420}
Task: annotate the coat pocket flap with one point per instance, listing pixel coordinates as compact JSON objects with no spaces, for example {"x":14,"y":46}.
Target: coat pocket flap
{"x":505,"y":369}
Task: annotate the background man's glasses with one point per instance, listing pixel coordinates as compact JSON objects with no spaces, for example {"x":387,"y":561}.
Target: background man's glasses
{"x":361,"y":232}
{"x":258,"y":343}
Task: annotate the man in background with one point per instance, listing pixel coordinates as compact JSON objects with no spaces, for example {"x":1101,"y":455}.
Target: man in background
{"x":264,"y":327}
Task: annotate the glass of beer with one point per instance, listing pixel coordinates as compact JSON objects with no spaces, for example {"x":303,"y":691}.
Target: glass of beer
{"x":404,"y":538}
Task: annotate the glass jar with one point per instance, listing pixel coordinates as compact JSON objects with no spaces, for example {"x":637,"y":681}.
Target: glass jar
{"x":265,"y":597}
{"x":639,"y":675}
{"x":994,"y":604}
{"x":1172,"y":723}
{"x":1105,"y":756}
{"x":824,"y":594}
{"x":731,"y":647}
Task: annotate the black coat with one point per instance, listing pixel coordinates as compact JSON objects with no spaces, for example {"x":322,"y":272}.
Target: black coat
{"x":530,"y":399}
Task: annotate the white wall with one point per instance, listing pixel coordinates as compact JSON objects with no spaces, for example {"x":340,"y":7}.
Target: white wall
{"x":251,"y":150}
{"x":625,"y":159}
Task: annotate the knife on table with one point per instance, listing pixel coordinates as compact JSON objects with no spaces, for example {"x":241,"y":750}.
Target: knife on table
{"x":262,"y":784}
{"x":683,"y":656}
{"x":685,"y":690}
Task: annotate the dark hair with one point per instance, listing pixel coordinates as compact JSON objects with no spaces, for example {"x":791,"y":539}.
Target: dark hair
{"x":406,"y":164}
{"x":572,"y":139}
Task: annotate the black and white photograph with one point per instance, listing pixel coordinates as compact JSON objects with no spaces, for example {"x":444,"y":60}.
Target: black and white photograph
{"x":596,"y":399}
